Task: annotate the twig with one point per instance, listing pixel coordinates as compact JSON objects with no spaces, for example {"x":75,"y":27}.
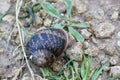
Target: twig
{"x":18,"y":6}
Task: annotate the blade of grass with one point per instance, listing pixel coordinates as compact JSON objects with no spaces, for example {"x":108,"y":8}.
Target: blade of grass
{"x":50,"y":9}
{"x":72,"y":71}
{"x":82,"y":70}
{"x":97,"y":72}
{"x":68,"y":4}
{"x":64,"y":66}
{"x":81,"y":25}
{"x":58,"y":26}
{"x":76,"y":34}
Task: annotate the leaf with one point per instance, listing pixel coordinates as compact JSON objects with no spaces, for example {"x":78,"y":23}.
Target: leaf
{"x":82,"y":69}
{"x":68,"y":4}
{"x":82,"y":25}
{"x":76,"y":34}
{"x":98,"y":71}
{"x":50,"y":9}
{"x":58,"y":26}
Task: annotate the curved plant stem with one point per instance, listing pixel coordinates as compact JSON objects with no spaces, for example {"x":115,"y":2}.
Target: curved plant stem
{"x":18,"y":6}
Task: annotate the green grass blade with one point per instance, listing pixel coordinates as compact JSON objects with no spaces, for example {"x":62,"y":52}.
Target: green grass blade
{"x":97,"y":72}
{"x":57,"y":26}
{"x":64,"y":66}
{"x":50,"y":9}
{"x":76,"y":34}
{"x":68,"y":4}
{"x":82,"y":70}
{"x":81,"y":25}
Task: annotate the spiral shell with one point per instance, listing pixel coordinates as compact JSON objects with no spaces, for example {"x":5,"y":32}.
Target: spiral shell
{"x":46,"y":45}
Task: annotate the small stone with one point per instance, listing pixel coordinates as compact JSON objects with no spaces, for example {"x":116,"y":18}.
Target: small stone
{"x":85,"y":33}
{"x":60,"y":6}
{"x":115,"y":70}
{"x":118,"y":35}
{"x":101,"y":56}
{"x":110,"y":49}
{"x":114,"y":60}
{"x":93,"y":51}
{"x":58,"y":64}
{"x":38,"y":21}
{"x":79,"y":6}
{"x":9,"y":18}
{"x":42,"y":13}
{"x":75,"y":51}
{"x":100,"y":78}
{"x":118,"y":43}
{"x":4,"y":6}
{"x":115,"y":15}
{"x":1,"y":51}
{"x":104,"y":30}
{"x":88,"y":18}
{"x":47,"y":22}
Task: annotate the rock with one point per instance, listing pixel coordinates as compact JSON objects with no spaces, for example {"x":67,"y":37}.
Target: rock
{"x":102,"y":56}
{"x":114,"y":60}
{"x":104,"y":30}
{"x":4,"y":6}
{"x":47,"y":22}
{"x":9,"y":18}
{"x":79,"y":6}
{"x":115,"y":15}
{"x":60,"y":6}
{"x":100,"y":78}
{"x":42,"y":13}
{"x":110,"y":49}
{"x":118,"y":35}
{"x":114,"y":70}
{"x":75,"y":51}
{"x":92,"y":50}
{"x":1,"y":51}
{"x":118,"y":43}
{"x":58,"y":64}
{"x":38,"y":21}
{"x":85,"y":33}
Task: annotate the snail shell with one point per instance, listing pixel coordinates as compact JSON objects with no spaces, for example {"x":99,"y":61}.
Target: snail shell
{"x":46,"y":45}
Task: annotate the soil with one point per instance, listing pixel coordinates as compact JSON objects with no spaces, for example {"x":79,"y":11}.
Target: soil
{"x":102,"y":39}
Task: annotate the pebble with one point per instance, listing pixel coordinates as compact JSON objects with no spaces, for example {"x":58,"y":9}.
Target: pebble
{"x":4,"y":6}
{"x":115,"y":15}
{"x":114,"y":60}
{"x":47,"y":22}
{"x":104,"y":30}
{"x":38,"y":21}
{"x":75,"y":51}
{"x":79,"y":6}
{"x":92,"y":50}
{"x":85,"y":33}
{"x":58,"y":64}
{"x":118,"y":43}
{"x":114,"y":70}
{"x":110,"y":49}
{"x":1,"y":51}
{"x":60,"y":6}
{"x":118,"y":35}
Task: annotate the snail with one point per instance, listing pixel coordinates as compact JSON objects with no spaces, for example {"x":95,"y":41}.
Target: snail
{"x":46,"y":45}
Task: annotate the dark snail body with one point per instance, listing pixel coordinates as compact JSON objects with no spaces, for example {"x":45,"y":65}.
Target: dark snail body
{"x":46,"y":45}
